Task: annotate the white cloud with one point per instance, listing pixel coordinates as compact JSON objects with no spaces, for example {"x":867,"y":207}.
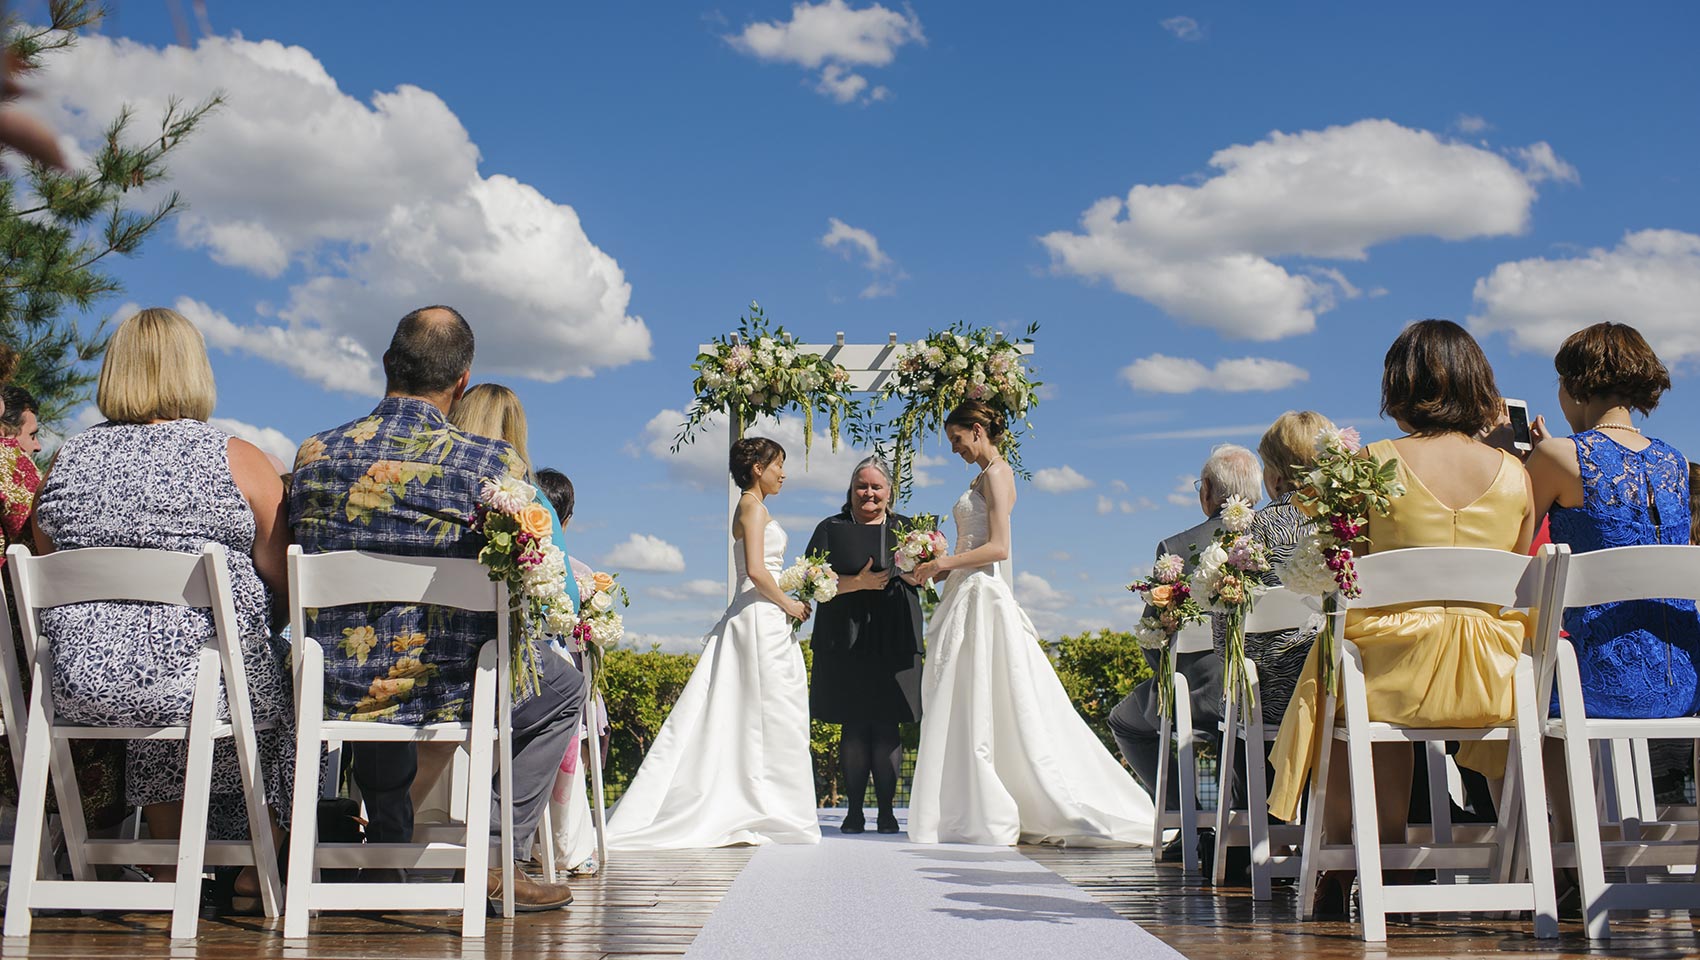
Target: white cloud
{"x":1164,"y":374}
{"x":851,"y":241}
{"x":1118,"y":486}
{"x":689,"y":590}
{"x":702,"y":463}
{"x":269,"y":440}
{"x":1186,"y":28}
{"x":379,"y":206}
{"x":1063,"y":479}
{"x":1206,"y":253}
{"x":1036,"y":593}
{"x":643,"y":553}
{"x":1185,"y":493}
{"x":1651,"y":280}
{"x":1108,"y":505}
{"x":1470,"y":123}
{"x":834,"y":38}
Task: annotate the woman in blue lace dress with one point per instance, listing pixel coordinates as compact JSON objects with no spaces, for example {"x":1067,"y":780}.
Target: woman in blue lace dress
{"x":1610,"y":485}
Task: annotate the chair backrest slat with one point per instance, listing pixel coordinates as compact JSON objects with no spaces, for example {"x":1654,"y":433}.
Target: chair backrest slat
{"x":1633,"y":573}
{"x":1440,"y":575}
{"x":1278,"y":610}
{"x":349,"y":577}
{"x":115,"y":573}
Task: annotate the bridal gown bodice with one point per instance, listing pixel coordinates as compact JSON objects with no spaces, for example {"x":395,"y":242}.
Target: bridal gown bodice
{"x":731,"y":763}
{"x":772,"y":555}
{"x":1004,"y":756}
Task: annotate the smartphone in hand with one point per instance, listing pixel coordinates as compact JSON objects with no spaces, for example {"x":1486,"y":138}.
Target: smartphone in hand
{"x":1518,"y":412}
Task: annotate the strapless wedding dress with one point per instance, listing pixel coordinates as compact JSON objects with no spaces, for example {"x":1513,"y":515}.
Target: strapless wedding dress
{"x":1004,"y":757}
{"x":732,"y":763}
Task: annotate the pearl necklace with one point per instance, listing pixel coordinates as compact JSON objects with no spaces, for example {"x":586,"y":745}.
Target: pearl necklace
{"x":1618,"y":426}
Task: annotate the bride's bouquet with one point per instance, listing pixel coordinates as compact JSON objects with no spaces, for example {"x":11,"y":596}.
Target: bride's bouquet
{"x":1226,"y":577}
{"x":811,"y":579}
{"x":600,"y":626}
{"x":1169,"y":591}
{"x":919,"y":541}
{"x":1340,"y":491}
{"x":518,"y":548}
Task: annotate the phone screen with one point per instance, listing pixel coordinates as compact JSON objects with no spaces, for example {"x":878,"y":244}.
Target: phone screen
{"x":1519,"y":415}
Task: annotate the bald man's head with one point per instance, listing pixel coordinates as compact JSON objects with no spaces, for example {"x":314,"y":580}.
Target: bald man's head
{"x":431,"y":350}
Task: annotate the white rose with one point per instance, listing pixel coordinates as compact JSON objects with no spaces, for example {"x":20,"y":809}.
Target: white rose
{"x":602,"y":602}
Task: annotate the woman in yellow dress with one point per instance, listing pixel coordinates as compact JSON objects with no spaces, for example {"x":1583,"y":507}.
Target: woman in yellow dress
{"x":1424,"y":666}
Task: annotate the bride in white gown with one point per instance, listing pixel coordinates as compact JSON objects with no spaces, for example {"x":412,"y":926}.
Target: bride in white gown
{"x":1004,"y":757}
{"x":732,"y":764}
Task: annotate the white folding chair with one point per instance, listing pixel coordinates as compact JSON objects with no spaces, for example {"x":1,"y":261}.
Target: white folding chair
{"x":1643,"y":840}
{"x":1275,"y":611}
{"x":593,"y":709}
{"x":1193,"y":639}
{"x":144,"y":576}
{"x":1436,"y":575}
{"x":12,"y":704}
{"x":349,"y":578}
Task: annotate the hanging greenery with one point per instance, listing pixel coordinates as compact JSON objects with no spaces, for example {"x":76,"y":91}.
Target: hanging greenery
{"x":937,"y":373}
{"x":761,"y":372}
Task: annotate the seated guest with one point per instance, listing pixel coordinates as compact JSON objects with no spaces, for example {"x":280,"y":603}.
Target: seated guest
{"x":1610,"y":485}
{"x":404,"y":480}
{"x":155,"y":475}
{"x":1427,"y":666}
{"x":559,"y":490}
{"x":494,"y":411}
{"x":19,"y":479}
{"x":1288,"y":450}
{"x":1230,"y":471}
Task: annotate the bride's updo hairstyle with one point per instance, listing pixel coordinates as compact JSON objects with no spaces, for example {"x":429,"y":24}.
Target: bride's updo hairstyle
{"x":751,"y":454}
{"x":971,"y":413}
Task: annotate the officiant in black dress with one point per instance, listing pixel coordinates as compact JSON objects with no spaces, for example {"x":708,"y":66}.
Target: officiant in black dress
{"x":867,"y":644}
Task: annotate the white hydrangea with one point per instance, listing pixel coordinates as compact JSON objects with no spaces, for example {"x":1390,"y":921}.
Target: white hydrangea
{"x":1307,"y":572}
{"x":1150,"y":634}
{"x":607,"y":629}
{"x":791,"y":578}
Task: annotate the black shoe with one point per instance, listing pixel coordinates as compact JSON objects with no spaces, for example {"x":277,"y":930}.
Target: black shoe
{"x":854,"y":822}
{"x":887,"y":822}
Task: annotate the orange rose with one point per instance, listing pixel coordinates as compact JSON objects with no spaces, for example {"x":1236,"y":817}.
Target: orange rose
{"x":1161,"y":593}
{"x":602,"y":581}
{"x":534,"y":519}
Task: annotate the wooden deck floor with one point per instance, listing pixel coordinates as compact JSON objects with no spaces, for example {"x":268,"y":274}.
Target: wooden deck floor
{"x":652,"y":905}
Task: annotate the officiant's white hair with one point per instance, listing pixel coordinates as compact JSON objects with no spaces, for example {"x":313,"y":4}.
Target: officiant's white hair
{"x":1232,"y":469}
{"x":875,"y":463}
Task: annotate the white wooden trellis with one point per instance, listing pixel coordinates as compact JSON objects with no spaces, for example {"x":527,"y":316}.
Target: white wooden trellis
{"x":870,"y":365}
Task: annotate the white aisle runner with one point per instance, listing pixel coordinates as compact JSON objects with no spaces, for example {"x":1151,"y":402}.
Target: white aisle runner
{"x":870,"y":897}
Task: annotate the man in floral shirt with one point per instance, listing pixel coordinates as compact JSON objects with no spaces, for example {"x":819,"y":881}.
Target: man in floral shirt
{"x":403,"y":480}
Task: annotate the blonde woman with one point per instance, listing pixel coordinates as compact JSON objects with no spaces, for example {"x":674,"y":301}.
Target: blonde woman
{"x":155,"y":475}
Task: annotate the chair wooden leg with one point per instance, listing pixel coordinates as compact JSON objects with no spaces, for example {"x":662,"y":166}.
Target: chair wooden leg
{"x":71,"y":822}
{"x":1366,"y":835}
{"x":505,"y":791}
{"x":1584,"y":804}
{"x":1160,"y":790}
{"x":246,"y":745}
{"x":1225,"y":786}
{"x":1310,"y":868}
{"x":1257,"y":794}
{"x":546,"y":838}
{"x":1533,"y":791}
{"x":304,"y":825}
{"x":1186,"y":772}
{"x":481,"y":747}
{"x":1439,"y":800}
{"x":32,"y":811}
{"x":197,"y":793}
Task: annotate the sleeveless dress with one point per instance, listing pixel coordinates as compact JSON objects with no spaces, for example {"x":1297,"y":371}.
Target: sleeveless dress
{"x":163,"y":486}
{"x":1424,"y":666}
{"x":1004,"y":757}
{"x":731,"y":763}
{"x":1637,"y":657}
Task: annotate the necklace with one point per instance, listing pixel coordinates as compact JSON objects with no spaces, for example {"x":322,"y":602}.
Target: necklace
{"x":1618,"y":426}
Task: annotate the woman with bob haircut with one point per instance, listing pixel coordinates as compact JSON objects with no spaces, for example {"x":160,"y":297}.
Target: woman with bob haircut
{"x":731,"y":763}
{"x":1610,"y":485}
{"x":1428,"y":666}
{"x":156,"y":475}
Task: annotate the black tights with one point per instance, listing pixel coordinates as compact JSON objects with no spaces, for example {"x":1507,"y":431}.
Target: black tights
{"x":875,"y":748}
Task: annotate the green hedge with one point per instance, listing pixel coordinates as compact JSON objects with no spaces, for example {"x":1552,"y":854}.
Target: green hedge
{"x":1097,"y":669}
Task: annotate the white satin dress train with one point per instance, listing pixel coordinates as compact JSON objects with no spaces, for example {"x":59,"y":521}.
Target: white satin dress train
{"x":1004,"y":756}
{"x":731,"y":764}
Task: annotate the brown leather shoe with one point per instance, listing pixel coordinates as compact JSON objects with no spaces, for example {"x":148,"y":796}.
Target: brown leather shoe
{"x":530,"y":896}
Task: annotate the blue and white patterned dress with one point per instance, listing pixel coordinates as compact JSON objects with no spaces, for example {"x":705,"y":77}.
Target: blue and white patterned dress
{"x":1637,"y":657}
{"x":164,"y":486}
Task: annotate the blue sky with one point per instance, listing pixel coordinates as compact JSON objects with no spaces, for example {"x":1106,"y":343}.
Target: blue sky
{"x":603,"y":187}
